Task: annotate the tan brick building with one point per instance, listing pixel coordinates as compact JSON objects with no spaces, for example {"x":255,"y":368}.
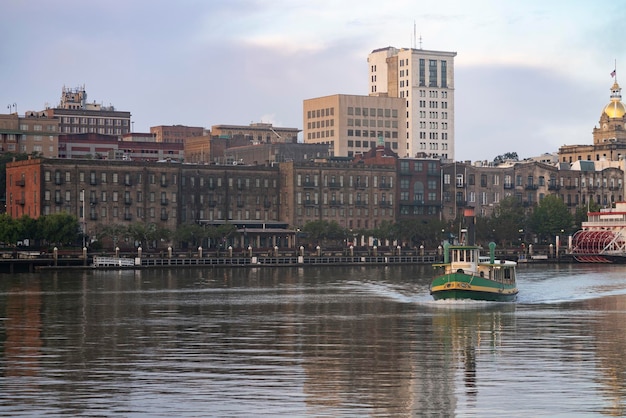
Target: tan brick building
{"x":35,"y":132}
{"x":175,"y":133}
{"x":351,"y":125}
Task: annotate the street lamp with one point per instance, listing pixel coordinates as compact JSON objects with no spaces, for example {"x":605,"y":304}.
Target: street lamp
{"x":84,"y":224}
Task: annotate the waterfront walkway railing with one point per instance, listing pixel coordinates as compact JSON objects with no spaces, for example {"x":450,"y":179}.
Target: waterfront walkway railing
{"x":283,"y":261}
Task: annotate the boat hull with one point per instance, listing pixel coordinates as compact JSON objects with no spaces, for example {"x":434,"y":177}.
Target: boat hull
{"x":464,"y":286}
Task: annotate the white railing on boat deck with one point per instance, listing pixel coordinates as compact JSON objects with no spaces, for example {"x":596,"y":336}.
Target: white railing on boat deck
{"x":113,"y":262}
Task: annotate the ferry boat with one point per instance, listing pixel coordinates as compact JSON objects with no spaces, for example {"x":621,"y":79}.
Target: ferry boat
{"x":602,"y":238}
{"x":465,"y":274}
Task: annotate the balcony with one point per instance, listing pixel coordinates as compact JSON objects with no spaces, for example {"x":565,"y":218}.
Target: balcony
{"x":128,"y":201}
{"x":240,"y":204}
{"x":359,"y":186}
{"x":461,"y":203}
{"x":128,"y":182}
{"x":58,"y":200}
{"x":334,"y":185}
{"x":384,"y":204}
{"x":128,"y":217}
{"x":531,"y":187}
{"x":93,"y":200}
{"x":309,"y":202}
{"x":267,"y":204}
{"x":509,"y":186}
{"x":93,"y":216}
{"x":20,"y":182}
{"x":384,"y":186}
{"x":308,"y":184}
{"x":361,"y":203}
{"x":554,"y":187}
{"x":164,"y":216}
{"x":21,"y":202}
{"x":164,"y":183}
{"x":212,"y":203}
{"x":335,"y":203}
{"x":92,"y":181}
{"x":58,"y":181}
{"x":165,"y":202}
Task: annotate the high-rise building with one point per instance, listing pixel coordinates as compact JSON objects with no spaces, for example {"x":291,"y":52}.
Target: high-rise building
{"x":425,"y":81}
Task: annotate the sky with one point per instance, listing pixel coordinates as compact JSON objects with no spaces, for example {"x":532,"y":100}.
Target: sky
{"x":530,"y":76}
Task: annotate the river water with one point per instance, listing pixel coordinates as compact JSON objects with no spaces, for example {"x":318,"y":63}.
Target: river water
{"x":313,"y":341}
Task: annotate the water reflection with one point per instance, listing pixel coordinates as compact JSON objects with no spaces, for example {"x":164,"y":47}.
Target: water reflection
{"x":315,"y":341}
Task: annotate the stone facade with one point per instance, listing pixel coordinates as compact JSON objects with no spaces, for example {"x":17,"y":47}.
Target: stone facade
{"x":351,"y":125}
{"x":419,"y":188}
{"x":175,"y":133}
{"x":257,"y":133}
{"x":35,"y":132}
{"x":482,"y":187}
{"x":355,"y":194}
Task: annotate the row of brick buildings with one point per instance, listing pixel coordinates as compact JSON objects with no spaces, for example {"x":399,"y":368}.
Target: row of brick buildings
{"x":357,"y":193}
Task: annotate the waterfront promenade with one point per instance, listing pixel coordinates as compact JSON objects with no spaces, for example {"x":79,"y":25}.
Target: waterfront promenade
{"x":30,"y":261}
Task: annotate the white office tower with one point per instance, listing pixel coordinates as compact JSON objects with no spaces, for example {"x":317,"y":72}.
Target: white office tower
{"x":425,"y":80}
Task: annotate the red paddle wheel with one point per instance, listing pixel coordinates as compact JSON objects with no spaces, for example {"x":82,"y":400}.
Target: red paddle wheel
{"x":590,"y":246}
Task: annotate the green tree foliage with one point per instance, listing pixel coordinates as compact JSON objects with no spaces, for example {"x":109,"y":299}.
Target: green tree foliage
{"x":416,"y":232}
{"x":506,"y":221}
{"x":9,"y":229}
{"x":550,"y":218}
{"x":581,"y":213}
{"x":146,"y":233}
{"x":192,"y":233}
{"x":386,"y":230}
{"x":115,"y":232}
{"x":322,"y":231}
{"x":59,"y":228}
{"x":506,"y":156}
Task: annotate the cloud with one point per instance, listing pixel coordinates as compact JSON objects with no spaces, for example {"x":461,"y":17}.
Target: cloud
{"x":526,"y":110}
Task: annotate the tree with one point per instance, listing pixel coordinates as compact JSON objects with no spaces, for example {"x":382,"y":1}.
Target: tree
{"x":60,"y":228}
{"x":191,"y":233}
{"x":9,"y":229}
{"x":115,"y":232}
{"x":321,"y":230}
{"x":386,"y":231}
{"x":506,"y":156}
{"x":507,"y":220}
{"x":581,"y":213}
{"x":550,"y":218}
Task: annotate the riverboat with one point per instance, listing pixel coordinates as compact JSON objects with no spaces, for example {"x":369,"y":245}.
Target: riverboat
{"x":465,"y":274}
{"x":602,"y":238}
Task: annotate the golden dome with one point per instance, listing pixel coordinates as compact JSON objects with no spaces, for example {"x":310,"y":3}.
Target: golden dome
{"x":615,"y":109}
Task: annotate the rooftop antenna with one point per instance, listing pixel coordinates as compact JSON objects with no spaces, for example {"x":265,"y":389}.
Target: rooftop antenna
{"x":414,"y":38}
